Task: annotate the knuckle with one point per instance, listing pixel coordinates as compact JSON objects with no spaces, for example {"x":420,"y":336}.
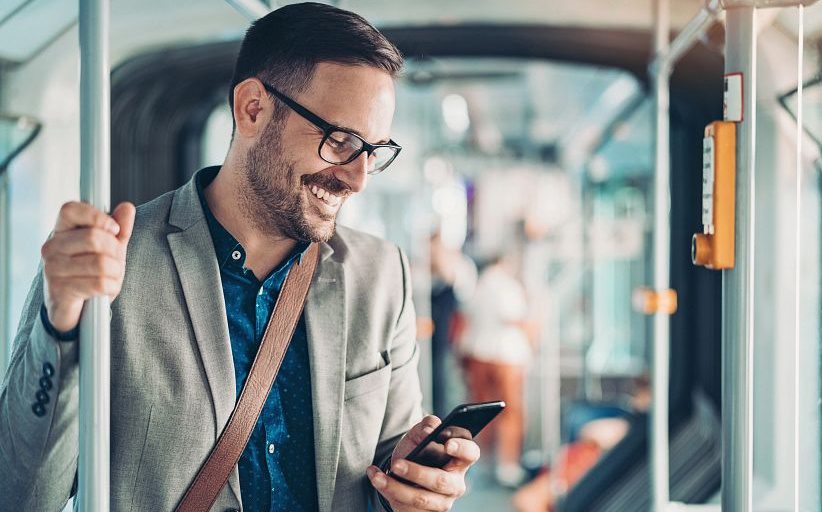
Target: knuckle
{"x":66,"y":208}
{"x":421,"y":500}
{"x":442,"y":484}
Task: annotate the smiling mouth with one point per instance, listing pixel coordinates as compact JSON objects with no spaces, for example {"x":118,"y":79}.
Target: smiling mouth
{"x":325,"y":196}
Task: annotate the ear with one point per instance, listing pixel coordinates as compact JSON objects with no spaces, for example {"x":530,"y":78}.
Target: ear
{"x":252,"y":107}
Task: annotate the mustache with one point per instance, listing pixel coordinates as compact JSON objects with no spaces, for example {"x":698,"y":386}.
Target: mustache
{"x":329,"y":183}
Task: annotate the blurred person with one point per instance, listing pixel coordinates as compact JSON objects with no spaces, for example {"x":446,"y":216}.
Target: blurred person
{"x":589,"y":441}
{"x":195,"y":276}
{"x":453,"y":277}
{"x":496,"y":349}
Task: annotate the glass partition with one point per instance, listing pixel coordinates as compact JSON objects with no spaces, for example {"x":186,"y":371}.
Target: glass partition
{"x":15,"y":134}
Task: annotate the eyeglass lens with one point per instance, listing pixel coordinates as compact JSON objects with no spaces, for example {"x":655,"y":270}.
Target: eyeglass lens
{"x":342,"y":147}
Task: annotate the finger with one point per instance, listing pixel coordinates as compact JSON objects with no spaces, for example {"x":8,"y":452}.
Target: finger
{"x":124,"y":216}
{"x":433,"y":479}
{"x":83,"y":241}
{"x":76,"y":214}
{"x":421,"y":430}
{"x":464,"y":453}
{"x":399,"y":493}
{"x":83,"y":265}
{"x":84,"y":287}
{"x":415,"y":436}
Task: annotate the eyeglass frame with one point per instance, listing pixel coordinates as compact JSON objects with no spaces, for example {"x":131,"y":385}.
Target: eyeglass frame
{"x":328,"y":128}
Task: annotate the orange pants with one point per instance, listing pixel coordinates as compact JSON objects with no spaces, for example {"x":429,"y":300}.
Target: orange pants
{"x":498,"y":381}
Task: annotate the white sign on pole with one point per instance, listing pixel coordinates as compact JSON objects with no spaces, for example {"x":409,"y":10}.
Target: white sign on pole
{"x":734,"y":96}
{"x":708,"y":185}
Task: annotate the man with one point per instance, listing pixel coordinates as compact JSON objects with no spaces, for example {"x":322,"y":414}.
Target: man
{"x":313,"y":100}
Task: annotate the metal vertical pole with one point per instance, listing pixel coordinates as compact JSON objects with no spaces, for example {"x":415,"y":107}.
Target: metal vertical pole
{"x":5,"y":273}
{"x":738,"y":283}
{"x":662,"y":238}
{"x":95,"y":161}
{"x":800,"y":77}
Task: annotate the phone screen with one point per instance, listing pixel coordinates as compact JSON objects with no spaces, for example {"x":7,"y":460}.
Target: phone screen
{"x":465,"y":422}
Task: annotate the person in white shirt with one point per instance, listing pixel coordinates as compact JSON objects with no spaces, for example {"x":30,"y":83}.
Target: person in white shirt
{"x":496,"y":349}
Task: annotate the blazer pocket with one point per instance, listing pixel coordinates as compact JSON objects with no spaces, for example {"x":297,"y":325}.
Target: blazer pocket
{"x":372,"y":381}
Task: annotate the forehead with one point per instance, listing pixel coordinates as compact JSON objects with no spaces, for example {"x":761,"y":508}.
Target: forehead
{"x":356,"y":97}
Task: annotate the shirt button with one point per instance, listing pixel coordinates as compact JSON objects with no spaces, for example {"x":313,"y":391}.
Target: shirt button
{"x":271,"y":448}
{"x":236,"y":255}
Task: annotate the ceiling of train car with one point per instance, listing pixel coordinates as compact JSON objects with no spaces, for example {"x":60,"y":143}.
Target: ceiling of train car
{"x":26,"y":26}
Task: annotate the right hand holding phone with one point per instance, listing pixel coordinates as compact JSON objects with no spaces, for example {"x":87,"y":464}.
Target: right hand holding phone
{"x":436,"y":489}
{"x":85,"y":257}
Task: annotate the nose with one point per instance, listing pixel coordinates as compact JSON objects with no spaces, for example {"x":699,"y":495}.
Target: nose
{"x":355,"y":173}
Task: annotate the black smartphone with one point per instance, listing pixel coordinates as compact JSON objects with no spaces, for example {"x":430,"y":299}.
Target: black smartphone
{"x":465,"y":421}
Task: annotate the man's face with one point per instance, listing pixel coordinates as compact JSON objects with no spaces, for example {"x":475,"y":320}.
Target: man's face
{"x":290,"y":190}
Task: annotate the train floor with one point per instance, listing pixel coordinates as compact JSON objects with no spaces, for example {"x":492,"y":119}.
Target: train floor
{"x":484,"y":493}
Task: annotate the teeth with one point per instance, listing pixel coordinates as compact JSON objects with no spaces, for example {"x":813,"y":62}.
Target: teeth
{"x":325,"y":195}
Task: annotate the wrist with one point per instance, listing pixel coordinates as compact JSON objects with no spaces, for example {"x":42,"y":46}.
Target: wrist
{"x":70,"y":334}
{"x":62,"y":318}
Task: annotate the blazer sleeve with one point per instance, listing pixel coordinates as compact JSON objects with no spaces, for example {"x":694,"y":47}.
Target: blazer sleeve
{"x":38,"y":414}
{"x":404,"y":409}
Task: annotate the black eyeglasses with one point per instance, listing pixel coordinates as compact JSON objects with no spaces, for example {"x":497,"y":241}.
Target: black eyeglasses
{"x":338,"y":145}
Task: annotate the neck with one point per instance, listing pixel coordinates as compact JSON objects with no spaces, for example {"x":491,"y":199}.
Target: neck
{"x":264,"y":251}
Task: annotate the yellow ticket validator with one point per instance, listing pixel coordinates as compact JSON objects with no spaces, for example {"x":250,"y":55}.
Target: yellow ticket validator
{"x":714,"y":247}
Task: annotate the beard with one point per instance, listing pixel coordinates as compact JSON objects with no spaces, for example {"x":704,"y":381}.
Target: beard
{"x":274,"y":199}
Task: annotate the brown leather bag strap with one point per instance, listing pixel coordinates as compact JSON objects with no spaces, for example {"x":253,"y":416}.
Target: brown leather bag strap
{"x":214,"y":473}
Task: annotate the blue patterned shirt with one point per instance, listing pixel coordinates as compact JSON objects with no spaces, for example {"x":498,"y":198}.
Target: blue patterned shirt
{"x":277,"y":469}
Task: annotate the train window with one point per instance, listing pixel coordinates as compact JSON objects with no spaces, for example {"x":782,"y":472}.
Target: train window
{"x":619,"y":184}
{"x":809,"y":298}
{"x":787,"y":355}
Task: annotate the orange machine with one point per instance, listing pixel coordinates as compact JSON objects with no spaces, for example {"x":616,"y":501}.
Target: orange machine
{"x":714,"y":247}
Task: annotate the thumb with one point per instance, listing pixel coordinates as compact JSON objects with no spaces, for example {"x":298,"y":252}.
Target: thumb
{"x":124,"y":216}
{"x":415,"y":436}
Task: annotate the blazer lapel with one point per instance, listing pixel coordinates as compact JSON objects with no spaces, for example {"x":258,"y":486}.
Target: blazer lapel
{"x":325,"y":325}
{"x":193,"y":253}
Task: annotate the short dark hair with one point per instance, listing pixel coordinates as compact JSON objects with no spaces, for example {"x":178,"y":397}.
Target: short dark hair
{"x":283,"y":47}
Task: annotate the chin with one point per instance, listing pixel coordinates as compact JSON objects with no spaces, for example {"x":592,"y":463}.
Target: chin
{"x":317,"y":227}
{"x":319,"y":230}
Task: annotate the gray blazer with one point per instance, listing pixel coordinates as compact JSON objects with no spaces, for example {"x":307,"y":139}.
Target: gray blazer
{"x":172,"y":376}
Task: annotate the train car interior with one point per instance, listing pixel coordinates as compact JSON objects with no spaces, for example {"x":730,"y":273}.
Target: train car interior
{"x":562,"y":144}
